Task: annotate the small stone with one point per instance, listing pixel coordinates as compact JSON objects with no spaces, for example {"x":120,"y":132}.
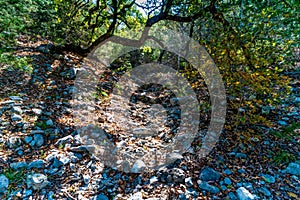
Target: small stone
{"x":57,"y":163}
{"x":37,"y":132}
{"x":232,"y":196}
{"x":17,"y":109}
{"x":183,"y":196}
{"x":49,"y":122}
{"x":38,"y":164}
{"x":138,"y":167}
{"x":136,"y":196}
{"x":177,"y":175}
{"x":209,"y":174}
{"x":16,"y":98}
{"x":50,"y":195}
{"x":28,"y":139}
{"x":265,"y":191}
{"x":207,"y":187}
{"x":64,"y":159}
{"x":297,"y":100}
{"x":227,"y":171}
{"x":16,"y":117}
{"x":37,"y":111}
{"x":242,"y":171}
{"x":244,"y":194}
{"x":254,"y":139}
{"x":240,"y":155}
{"x":293,"y":168}
{"x":188,"y":182}
{"x":27,"y":193}
{"x":70,"y":74}
{"x":7,"y":102}
{"x":86,"y":179}
{"x":172,"y":157}
{"x":4,"y":182}
{"x":248,"y":185}
{"x":268,"y":178}
{"x":20,"y":152}
{"x":18,"y":165}
{"x":37,"y":181}
{"x":14,"y":142}
{"x":64,"y":140}
{"x":153,"y":179}
{"x":101,"y":197}
{"x":227,"y":181}
{"x":38,"y":139}
{"x":223,"y":188}
{"x":282,"y":123}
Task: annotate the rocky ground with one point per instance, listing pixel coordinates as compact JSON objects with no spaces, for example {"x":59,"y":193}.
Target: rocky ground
{"x":44,"y":156}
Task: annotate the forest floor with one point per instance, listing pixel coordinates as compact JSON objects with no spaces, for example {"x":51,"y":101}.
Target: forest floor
{"x":43,"y":154}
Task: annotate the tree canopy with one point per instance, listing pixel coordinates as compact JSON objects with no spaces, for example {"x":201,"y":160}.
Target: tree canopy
{"x":251,"y":42}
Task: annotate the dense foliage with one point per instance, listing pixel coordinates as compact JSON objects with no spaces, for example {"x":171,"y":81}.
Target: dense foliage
{"x":252,"y":42}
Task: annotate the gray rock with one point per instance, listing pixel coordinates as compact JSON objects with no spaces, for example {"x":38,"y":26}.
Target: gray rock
{"x":265,"y":191}
{"x":176,"y":175}
{"x":223,"y":188}
{"x":192,"y":192}
{"x":28,"y":139}
{"x":227,"y":181}
{"x":7,"y":102}
{"x":86,"y":179}
{"x":227,"y":171}
{"x":4,"y":182}
{"x":62,"y":141}
{"x":44,"y":48}
{"x":268,"y":178}
{"x":240,"y":155}
{"x":244,"y":194}
{"x":37,"y":164}
{"x":297,"y":100}
{"x":37,"y":181}
{"x":242,"y":171}
{"x":232,"y":196}
{"x":282,"y":123}
{"x":50,"y":195}
{"x":18,"y":165}
{"x":153,"y":179}
{"x":172,"y":157}
{"x":16,"y":98}
{"x":37,"y":111}
{"x":27,"y":193}
{"x":188,"y":182}
{"x":64,"y":159}
{"x":38,"y":140}
{"x":138,"y":167}
{"x":101,"y":197}
{"x":16,"y":117}
{"x":17,"y":109}
{"x":207,"y":187}
{"x":69,"y":74}
{"x":248,"y":185}
{"x":136,"y":196}
{"x":83,"y":149}
{"x":209,"y":174}
{"x":14,"y":142}
{"x":37,"y":132}
{"x":293,"y":168}
{"x":183,"y":196}
{"x":20,"y":152}
{"x":57,"y":163}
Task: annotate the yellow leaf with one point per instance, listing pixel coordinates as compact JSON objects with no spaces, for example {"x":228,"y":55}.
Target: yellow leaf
{"x":292,"y":195}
